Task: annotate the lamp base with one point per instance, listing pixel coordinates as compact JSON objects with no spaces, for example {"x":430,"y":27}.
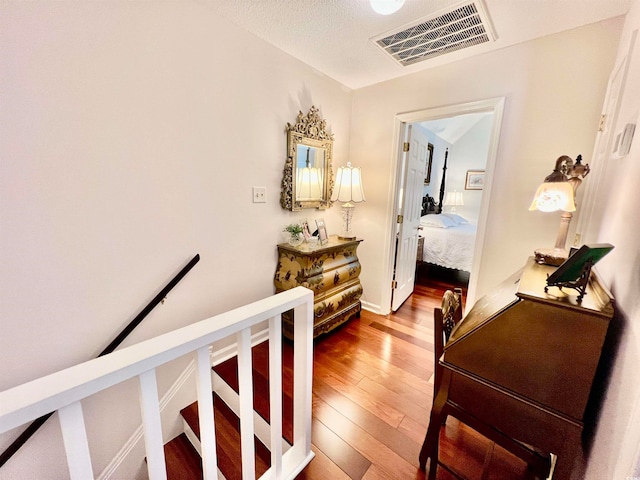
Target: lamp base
{"x":347,"y":216}
{"x":551,"y":256}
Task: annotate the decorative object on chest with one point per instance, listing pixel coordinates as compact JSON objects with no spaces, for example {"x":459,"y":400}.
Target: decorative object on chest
{"x":332,"y":271}
{"x":295,"y":233}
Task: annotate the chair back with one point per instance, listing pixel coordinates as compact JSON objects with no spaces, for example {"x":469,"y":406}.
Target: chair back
{"x":451,"y":311}
{"x":445,"y":319}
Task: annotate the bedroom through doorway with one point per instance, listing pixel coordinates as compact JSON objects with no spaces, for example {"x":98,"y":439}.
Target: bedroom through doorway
{"x":452,"y":195}
{"x":441,"y":216}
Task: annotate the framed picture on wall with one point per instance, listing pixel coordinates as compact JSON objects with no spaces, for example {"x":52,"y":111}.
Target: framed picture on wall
{"x":322,"y":232}
{"x":427,"y":178}
{"x":475,"y":180}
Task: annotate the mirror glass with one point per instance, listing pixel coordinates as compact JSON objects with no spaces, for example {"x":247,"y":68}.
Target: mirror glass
{"x":308,"y":178}
{"x":310,"y":173}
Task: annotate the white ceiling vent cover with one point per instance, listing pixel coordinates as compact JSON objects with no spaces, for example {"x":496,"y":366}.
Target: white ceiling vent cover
{"x":464,"y":26}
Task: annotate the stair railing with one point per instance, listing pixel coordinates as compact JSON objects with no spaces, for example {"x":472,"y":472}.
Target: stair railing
{"x":34,"y":426}
{"x":64,"y":390}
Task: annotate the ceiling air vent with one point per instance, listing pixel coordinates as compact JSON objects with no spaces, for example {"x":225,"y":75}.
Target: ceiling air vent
{"x":463,"y":26}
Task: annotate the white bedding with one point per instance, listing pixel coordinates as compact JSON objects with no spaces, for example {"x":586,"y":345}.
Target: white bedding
{"x":450,"y":247}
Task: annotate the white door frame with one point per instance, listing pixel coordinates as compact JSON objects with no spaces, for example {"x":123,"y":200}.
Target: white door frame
{"x":494,"y":105}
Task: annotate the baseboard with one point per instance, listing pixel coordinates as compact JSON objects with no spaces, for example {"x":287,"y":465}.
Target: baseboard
{"x":371,"y":307}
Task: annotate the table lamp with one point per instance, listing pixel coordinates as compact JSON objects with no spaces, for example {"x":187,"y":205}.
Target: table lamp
{"x":453,"y":199}
{"x":558,"y":193}
{"x":348,"y":189}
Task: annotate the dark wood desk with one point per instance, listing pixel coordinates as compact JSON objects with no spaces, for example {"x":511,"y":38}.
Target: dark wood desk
{"x":523,"y":361}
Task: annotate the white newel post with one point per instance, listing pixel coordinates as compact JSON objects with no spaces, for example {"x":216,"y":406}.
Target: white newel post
{"x":302,"y":376}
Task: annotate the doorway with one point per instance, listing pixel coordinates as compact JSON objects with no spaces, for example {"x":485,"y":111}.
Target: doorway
{"x":404,"y":123}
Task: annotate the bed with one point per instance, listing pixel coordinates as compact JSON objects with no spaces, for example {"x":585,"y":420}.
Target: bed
{"x":448,"y":241}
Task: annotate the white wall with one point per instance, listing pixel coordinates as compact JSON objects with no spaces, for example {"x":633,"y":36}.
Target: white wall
{"x":439,"y":148}
{"x":469,"y":153}
{"x":616,"y":448}
{"x":131,"y":134}
{"x":554,"y":88}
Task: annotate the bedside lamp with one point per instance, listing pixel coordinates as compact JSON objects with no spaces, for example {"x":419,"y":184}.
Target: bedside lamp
{"x":558,"y":193}
{"x":453,"y":199}
{"x":348,"y":188}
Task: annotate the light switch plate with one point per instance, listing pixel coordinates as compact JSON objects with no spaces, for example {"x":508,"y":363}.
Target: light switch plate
{"x":623,"y":141}
{"x":259,"y":194}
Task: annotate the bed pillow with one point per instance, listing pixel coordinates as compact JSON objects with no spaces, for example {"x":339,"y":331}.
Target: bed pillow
{"x":458,"y":220}
{"x":438,"y":221}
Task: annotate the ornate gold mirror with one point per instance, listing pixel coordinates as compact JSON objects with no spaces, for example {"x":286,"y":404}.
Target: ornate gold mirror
{"x":308,"y":177}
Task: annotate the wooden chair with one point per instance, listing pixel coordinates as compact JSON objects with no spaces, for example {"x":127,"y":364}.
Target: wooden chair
{"x":445,"y":320}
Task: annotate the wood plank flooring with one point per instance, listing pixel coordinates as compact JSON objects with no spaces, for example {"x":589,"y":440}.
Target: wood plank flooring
{"x":372,"y":397}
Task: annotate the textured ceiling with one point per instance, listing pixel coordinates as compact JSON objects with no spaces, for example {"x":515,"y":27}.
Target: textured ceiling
{"x":334,"y":36}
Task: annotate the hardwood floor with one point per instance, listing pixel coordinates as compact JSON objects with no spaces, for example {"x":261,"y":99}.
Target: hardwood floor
{"x":372,"y":396}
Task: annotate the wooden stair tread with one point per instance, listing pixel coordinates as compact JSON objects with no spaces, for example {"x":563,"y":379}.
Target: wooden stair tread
{"x":183,"y":461}
{"x":228,"y":370}
{"x":228,"y":424}
{"x":227,"y":440}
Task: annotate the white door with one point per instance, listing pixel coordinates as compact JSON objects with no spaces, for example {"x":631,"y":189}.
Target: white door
{"x":591,"y":214}
{"x":414,"y":174}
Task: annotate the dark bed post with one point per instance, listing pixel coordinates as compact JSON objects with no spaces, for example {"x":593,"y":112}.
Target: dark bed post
{"x":444,"y":176}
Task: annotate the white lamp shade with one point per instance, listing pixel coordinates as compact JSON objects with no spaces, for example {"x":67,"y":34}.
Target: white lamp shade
{"x":454,"y":198}
{"x":554,"y":196}
{"x":348,"y":186}
{"x":386,"y":7}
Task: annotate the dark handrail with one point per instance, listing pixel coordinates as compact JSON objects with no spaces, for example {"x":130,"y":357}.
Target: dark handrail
{"x":37,"y":423}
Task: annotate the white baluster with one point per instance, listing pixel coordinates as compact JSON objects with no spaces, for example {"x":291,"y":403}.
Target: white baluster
{"x":302,"y":376}
{"x":245,"y":384}
{"x":275,"y":393}
{"x":205,"y":415}
{"x":152,"y":425}
{"x":74,"y":436}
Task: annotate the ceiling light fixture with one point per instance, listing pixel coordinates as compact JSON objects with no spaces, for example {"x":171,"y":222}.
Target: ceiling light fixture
{"x":386,"y":7}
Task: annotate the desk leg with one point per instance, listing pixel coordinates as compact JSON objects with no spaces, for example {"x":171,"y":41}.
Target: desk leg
{"x":438,"y":416}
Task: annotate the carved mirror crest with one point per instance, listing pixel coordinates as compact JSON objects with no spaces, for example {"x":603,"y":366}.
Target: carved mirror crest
{"x":308,"y":174}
